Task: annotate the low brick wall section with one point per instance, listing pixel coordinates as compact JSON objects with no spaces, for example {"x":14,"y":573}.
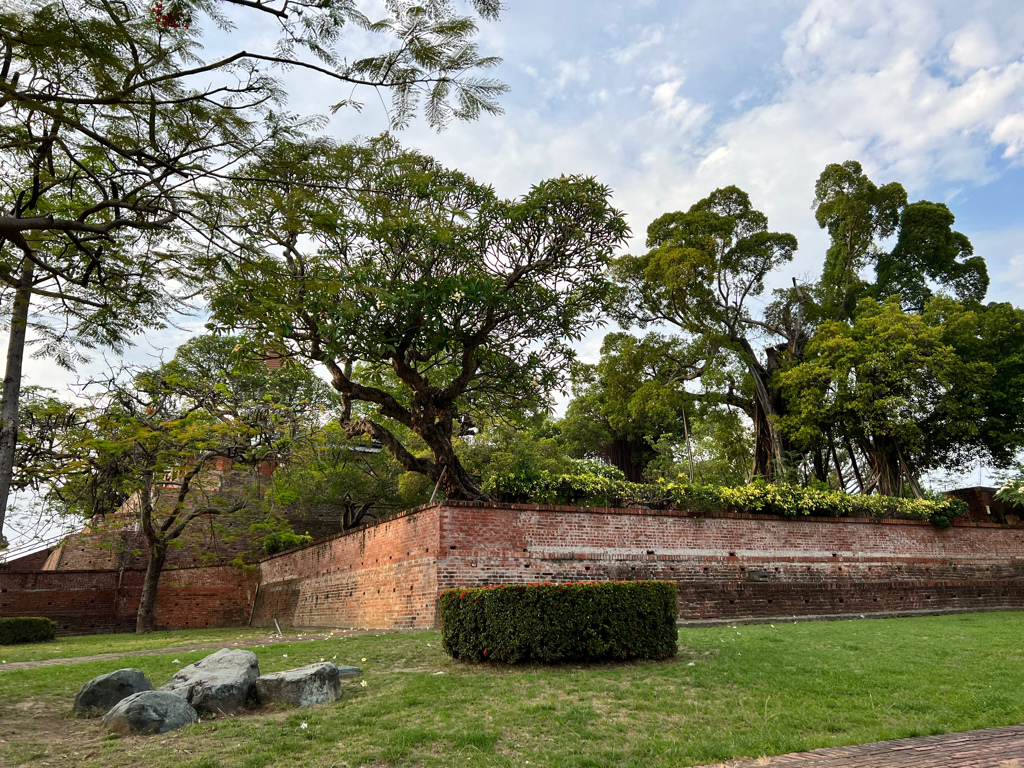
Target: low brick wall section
{"x":382,"y":575}
{"x":94,"y":602}
{"x":729,"y":566}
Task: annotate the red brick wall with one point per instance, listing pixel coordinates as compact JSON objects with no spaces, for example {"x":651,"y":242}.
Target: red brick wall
{"x":742,"y":566}
{"x":725,"y":566}
{"x":382,"y":575}
{"x":93,"y":602}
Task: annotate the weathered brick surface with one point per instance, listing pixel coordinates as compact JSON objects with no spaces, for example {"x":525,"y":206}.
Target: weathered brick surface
{"x":382,"y":575}
{"x":725,"y":566}
{"x":92,"y":602}
{"x":26,"y":563}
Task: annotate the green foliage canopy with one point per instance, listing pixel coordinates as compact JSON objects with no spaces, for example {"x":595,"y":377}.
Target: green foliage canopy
{"x":423,"y":294}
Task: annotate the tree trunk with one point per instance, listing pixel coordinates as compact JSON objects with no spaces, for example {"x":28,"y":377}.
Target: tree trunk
{"x":145,"y":621}
{"x":628,"y":455}
{"x":764,"y":444}
{"x":887,"y":471}
{"x":819,"y":460}
{"x":769,"y":450}
{"x":454,"y":481}
{"x":12,"y":386}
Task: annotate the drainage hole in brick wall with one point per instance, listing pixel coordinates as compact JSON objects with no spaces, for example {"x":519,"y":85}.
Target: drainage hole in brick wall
{"x":452,"y":547}
{"x":732,"y":602}
{"x":841,"y":600}
{"x":807,"y":602}
{"x":586,"y":567}
{"x":874,"y":599}
{"x":732,"y":554}
{"x":650,"y":551}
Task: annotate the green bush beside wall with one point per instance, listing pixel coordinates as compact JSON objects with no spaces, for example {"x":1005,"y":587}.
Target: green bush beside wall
{"x":756,"y":498}
{"x":587,"y":621}
{"x":15,"y":630}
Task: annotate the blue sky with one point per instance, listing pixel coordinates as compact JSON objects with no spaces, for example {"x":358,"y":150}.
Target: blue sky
{"x":665,"y":101}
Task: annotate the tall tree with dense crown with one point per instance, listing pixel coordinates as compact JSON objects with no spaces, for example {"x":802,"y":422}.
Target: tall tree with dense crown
{"x":858,"y":215}
{"x":705,"y":267}
{"x":892,"y":384}
{"x":426,"y":296}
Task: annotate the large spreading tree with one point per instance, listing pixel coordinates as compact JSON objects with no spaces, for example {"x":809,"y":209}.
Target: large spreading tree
{"x":426,"y":297}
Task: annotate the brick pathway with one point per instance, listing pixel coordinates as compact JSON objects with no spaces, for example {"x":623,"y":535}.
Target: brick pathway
{"x":250,"y":643}
{"x":991,"y":748}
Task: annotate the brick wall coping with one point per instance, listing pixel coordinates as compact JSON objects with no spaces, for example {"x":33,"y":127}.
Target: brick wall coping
{"x":636,"y":511}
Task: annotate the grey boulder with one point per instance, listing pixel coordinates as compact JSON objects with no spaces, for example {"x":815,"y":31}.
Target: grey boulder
{"x":103,"y":692}
{"x":150,"y":712}
{"x":312,"y":684}
{"x":221,"y":683}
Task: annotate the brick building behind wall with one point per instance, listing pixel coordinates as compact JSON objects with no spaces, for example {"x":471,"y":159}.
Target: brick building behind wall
{"x":115,"y":543}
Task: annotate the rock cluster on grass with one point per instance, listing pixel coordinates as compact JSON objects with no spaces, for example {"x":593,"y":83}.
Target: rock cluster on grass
{"x":101,"y":693}
{"x":222,"y":683}
{"x":150,"y":712}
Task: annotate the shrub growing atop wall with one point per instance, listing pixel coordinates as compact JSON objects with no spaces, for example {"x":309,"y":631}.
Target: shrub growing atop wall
{"x":585,"y":621}
{"x":15,"y":630}
{"x":756,"y":498}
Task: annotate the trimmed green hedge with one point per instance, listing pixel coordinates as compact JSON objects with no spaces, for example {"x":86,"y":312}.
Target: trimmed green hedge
{"x":756,"y":498}
{"x":586,"y":621}
{"x":15,"y":630}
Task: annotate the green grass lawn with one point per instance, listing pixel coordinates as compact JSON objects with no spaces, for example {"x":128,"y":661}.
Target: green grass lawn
{"x":91,"y":645}
{"x":731,"y":692}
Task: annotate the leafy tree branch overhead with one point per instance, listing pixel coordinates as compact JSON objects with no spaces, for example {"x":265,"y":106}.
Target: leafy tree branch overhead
{"x":111,"y":117}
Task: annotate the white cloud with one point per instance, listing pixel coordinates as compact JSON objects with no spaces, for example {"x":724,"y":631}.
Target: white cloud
{"x":648,"y":37}
{"x":975,"y":46}
{"x":1010,"y":132}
